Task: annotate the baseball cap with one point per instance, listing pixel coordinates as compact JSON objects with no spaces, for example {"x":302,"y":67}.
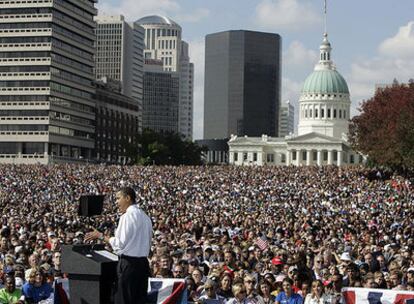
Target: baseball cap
{"x":277,"y":261}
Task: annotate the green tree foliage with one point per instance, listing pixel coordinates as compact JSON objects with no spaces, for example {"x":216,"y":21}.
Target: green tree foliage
{"x":384,"y":130}
{"x":164,"y":149}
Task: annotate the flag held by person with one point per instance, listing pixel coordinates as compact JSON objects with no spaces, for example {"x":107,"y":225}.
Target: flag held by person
{"x":262,"y":243}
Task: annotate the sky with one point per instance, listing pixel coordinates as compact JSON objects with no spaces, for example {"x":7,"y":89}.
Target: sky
{"x":372,"y":40}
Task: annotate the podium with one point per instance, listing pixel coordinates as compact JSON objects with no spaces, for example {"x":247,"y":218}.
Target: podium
{"x":92,"y":273}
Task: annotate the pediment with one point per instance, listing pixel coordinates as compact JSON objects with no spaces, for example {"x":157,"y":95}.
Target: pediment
{"x":314,"y":137}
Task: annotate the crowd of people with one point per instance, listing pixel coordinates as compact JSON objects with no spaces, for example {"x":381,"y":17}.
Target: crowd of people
{"x":285,"y":235}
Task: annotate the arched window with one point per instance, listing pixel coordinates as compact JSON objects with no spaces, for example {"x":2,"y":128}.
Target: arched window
{"x":322,"y":113}
{"x":329,"y":113}
{"x":316,"y":113}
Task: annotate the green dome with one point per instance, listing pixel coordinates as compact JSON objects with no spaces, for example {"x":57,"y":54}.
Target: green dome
{"x":325,"y":82}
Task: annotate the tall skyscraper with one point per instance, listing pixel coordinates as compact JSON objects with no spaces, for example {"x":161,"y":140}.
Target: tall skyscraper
{"x":46,"y":64}
{"x":161,"y":98}
{"x":287,"y":119}
{"x":119,"y":56}
{"x":242,"y":84}
{"x":163,"y":42}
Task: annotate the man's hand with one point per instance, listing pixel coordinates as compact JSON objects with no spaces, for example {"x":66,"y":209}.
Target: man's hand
{"x":93,"y":235}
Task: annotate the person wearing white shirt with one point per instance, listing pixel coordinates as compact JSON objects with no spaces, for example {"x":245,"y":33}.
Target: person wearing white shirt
{"x":132,"y":243}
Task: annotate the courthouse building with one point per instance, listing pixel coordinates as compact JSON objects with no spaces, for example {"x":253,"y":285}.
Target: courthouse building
{"x":324,"y":112}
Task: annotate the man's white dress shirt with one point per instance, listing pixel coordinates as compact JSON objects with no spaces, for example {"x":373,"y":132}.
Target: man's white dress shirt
{"x":133,"y":234}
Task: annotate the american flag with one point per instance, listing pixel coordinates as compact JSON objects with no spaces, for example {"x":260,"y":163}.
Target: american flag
{"x":384,"y":296}
{"x":262,"y":243}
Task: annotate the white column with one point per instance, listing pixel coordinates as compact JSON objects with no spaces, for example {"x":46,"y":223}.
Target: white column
{"x":330,"y":157}
{"x":240,"y":157}
{"x":308,"y":157}
{"x":249,"y":157}
{"x":260,"y":158}
{"x":231,"y":157}
{"x":319,"y":158}
{"x":339,"y":158}
{"x":288,"y":157}
{"x":298,"y":157}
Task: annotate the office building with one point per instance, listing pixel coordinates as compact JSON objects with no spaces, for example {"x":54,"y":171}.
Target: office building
{"x":46,"y":65}
{"x":119,"y":56}
{"x":163,"y":41}
{"x":116,"y":123}
{"x":242,"y":84}
{"x":161,"y":98}
{"x":287,"y":119}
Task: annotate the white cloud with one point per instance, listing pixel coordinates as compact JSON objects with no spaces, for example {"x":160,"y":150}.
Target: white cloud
{"x":286,"y":14}
{"x":194,"y":16}
{"x":133,"y":9}
{"x":401,"y":45}
{"x":395,"y":60}
{"x":366,"y":74}
{"x":197,"y":50}
{"x":298,"y":55}
{"x":298,"y":61}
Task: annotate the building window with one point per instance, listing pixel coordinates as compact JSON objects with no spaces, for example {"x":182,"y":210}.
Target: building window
{"x":334,"y":113}
{"x":316,"y":113}
{"x":304,"y":155}
{"x":340,"y":113}
{"x":270,"y":157}
{"x":255,"y":157}
{"x":283,"y":158}
{"x":294,"y":155}
{"x":244,"y":156}
{"x":310,"y":113}
{"x":329,"y":113}
{"x":351,"y":159}
{"x":322,"y":113}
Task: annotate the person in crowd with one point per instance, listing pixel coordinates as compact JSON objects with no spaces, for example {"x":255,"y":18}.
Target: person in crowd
{"x":288,"y":296}
{"x":317,"y":295}
{"x":210,"y":295}
{"x":10,"y":294}
{"x":239,"y":294}
{"x":36,"y":288}
{"x":264,"y":289}
{"x":225,"y":290}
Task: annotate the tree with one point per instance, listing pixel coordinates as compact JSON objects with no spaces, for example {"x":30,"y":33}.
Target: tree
{"x":164,"y":149}
{"x":384,"y":130}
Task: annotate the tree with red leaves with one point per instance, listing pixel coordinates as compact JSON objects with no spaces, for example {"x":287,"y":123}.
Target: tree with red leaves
{"x":384,"y":130}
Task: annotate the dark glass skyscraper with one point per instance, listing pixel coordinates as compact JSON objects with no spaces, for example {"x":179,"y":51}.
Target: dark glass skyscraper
{"x":242,"y":84}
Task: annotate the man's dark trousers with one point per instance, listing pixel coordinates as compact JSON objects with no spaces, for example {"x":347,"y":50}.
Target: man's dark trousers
{"x":133,"y":274}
